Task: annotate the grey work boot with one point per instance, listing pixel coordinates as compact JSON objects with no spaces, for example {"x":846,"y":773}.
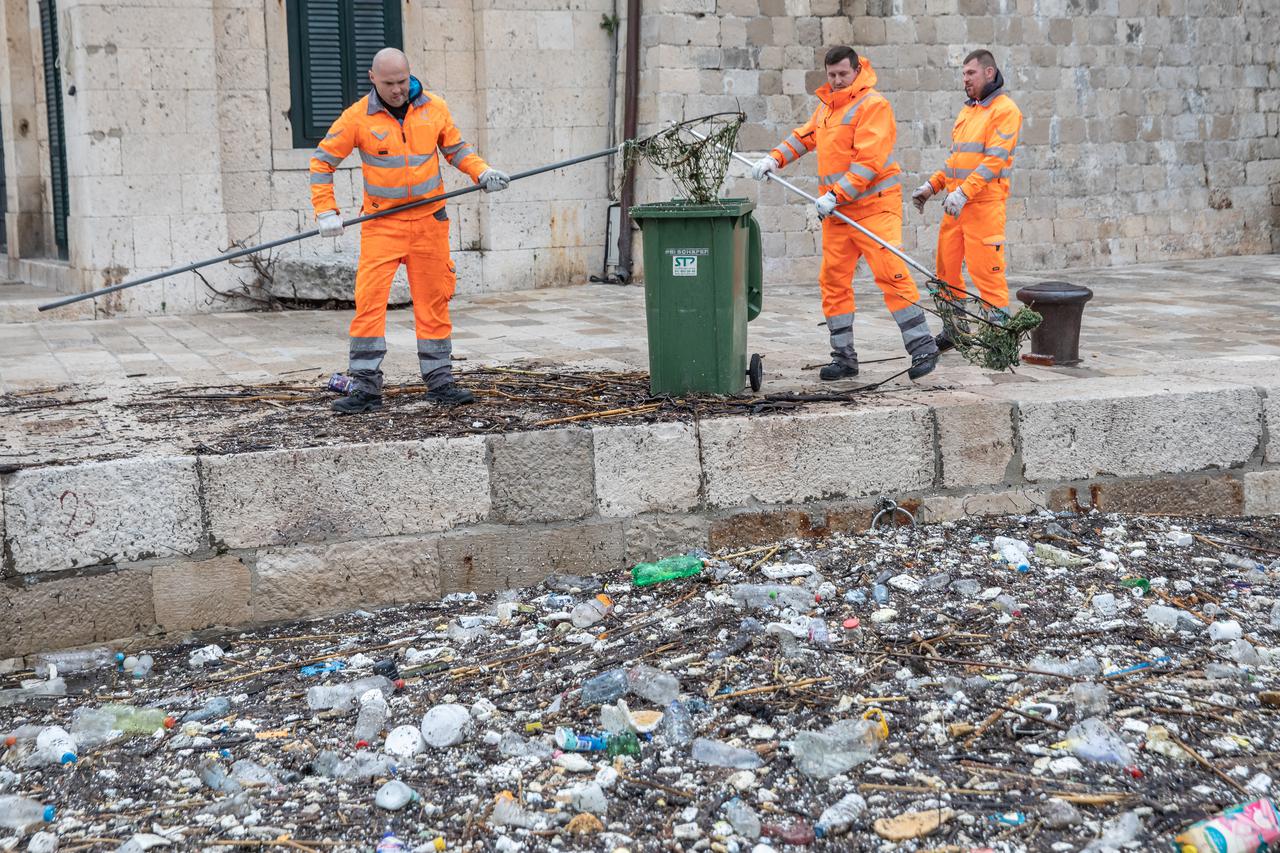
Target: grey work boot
{"x":844,"y":358}
{"x":357,"y":402}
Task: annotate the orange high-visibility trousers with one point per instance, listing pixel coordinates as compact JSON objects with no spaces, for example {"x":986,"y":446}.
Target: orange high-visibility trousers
{"x":422,"y":245}
{"x":842,"y":247}
{"x":975,"y":239}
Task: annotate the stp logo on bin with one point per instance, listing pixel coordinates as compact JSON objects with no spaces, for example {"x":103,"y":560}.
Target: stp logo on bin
{"x":684,"y":265}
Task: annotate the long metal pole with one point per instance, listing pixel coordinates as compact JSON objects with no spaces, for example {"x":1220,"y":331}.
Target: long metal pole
{"x":837,"y":214}
{"x":240,"y":253}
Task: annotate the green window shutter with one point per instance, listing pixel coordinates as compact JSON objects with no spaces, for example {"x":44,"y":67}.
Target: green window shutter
{"x":331,"y":45}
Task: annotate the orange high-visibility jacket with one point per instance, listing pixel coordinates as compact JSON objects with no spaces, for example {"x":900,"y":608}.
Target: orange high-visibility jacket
{"x":400,"y":163}
{"x":982,"y":144}
{"x":854,"y":132}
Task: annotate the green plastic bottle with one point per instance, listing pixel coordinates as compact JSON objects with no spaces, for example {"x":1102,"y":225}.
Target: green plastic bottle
{"x":625,"y":743}
{"x":670,"y":568}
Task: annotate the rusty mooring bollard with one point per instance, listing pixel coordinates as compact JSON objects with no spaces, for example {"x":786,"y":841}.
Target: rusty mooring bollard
{"x":1056,"y":341}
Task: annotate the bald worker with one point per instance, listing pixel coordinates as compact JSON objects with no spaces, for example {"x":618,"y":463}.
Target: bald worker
{"x":402,"y":132}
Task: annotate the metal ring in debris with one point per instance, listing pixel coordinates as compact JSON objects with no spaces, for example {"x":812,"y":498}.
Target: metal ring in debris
{"x":890,"y":506}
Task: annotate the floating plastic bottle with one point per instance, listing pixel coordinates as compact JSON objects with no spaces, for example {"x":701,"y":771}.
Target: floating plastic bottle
{"x":742,"y":818}
{"x":622,"y":743}
{"x":55,"y":745}
{"x":394,"y":795}
{"x":836,"y":748}
{"x":215,"y":708}
{"x":18,"y":813}
{"x":1094,"y":740}
{"x":839,"y":817}
{"x":372,"y":717}
{"x":1013,"y":552}
{"x":767,"y":596}
{"x":670,"y":568}
{"x":608,"y":686}
{"x":139,"y":721}
{"x":508,"y":812}
{"x":677,"y":725}
{"x":342,"y":697}
{"x":215,"y":776}
{"x":652,"y":684}
{"x":1006,"y":603}
{"x":1243,"y":828}
{"x":592,"y":611}
{"x":720,"y":754}
{"x":74,"y":663}
{"x":1059,"y":557}
{"x":248,"y":772}
{"x":572,"y":583}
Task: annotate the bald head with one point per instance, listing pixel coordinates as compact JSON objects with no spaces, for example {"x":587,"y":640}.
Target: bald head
{"x":389,"y":74}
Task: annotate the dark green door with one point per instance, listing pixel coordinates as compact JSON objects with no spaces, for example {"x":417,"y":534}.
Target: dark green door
{"x":57,"y":135}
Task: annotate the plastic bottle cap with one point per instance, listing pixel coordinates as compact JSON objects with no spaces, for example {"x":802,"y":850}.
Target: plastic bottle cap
{"x":439,"y":844}
{"x":398,"y":684}
{"x":361,"y":744}
{"x":68,"y":758}
{"x":10,"y":740}
{"x":49,"y":812}
{"x":170,"y":722}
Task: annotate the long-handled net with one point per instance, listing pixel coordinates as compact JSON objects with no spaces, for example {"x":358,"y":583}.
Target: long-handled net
{"x":996,"y":343}
{"x":696,"y":160}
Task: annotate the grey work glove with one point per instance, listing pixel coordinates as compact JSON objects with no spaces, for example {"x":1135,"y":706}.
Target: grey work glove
{"x":761,"y":168}
{"x":954,"y":202}
{"x":923,"y":193}
{"x":492,"y":180}
{"x":330,"y":224}
{"x":825,"y":205}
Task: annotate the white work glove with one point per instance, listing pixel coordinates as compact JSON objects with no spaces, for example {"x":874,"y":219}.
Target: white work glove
{"x":330,"y":224}
{"x":491,"y":180}
{"x":954,"y":202}
{"x":761,"y":168}
{"x":923,"y":193}
{"x":825,"y":205}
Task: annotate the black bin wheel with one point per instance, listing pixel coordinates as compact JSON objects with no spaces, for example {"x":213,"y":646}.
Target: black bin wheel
{"x":755,"y":372}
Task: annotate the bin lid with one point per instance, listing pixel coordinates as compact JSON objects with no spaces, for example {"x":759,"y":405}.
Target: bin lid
{"x":1054,"y":292}
{"x":682,"y":209}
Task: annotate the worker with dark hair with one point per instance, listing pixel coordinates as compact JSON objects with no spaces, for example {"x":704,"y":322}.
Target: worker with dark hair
{"x":854,"y":132}
{"x":976,"y":179}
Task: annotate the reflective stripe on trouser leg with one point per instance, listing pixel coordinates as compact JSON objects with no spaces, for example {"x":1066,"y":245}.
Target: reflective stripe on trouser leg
{"x":841,"y":329}
{"x":433,"y":361}
{"x":365,"y":364}
{"x":916,"y":336}
{"x":982,"y":227}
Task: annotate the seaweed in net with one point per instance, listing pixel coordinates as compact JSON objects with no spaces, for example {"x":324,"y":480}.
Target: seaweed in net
{"x":998,"y":339}
{"x":696,"y":161}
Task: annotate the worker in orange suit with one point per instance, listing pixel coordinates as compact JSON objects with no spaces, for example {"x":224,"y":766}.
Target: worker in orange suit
{"x":402,"y":132}
{"x":854,"y":132}
{"x":976,"y":180}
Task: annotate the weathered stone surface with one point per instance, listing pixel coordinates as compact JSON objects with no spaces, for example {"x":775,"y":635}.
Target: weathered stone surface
{"x":542,"y":476}
{"x":651,"y":468}
{"x":936,"y":508}
{"x":975,"y":441}
{"x":1123,"y":430}
{"x":74,"y":611}
{"x":1210,"y":494}
{"x":817,"y":455}
{"x":294,"y":583}
{"x":493,"y":557}
{"x":744,"y":529}
{"x":102,"y":512}
{"x":1262,"y":493}
{"x":1271,"y":408}
{"x":318,"y":281}
{"x":652,"y":537}
{"x":190,"y":596}
{"x":347,"y":492}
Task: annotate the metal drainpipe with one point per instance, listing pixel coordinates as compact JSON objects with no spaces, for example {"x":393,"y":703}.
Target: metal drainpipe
{"x":630,"y":97}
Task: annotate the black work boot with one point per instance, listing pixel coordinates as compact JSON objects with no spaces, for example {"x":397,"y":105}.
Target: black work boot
{"x":450,"y":394}
{"x":839,"y":368}
{"x":922,"y":364}
{"x":944,"y":341}
{"x":357,"y":402}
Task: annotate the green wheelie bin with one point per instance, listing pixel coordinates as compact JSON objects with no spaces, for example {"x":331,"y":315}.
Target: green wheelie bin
{"x":703,"y":280}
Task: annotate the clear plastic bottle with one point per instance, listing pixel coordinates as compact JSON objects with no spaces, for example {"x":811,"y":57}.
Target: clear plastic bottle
{"x":18,"y":813}
{"x":571,"y":583}
{"x":591,"y":611}
{"x":72,"y":663}
{"x":342,"y":697}
{"x":742,"y":818}
{"x":837,"y":748}
{"x":819,"y":634}
{"x":215,"y":708}
{"x":215,"y":777}
{"x":364,"y":765}
{"x":1006,"y":603}
{"x":92,"y":726}
{"x":677,"y":725}
{"x":139,"y":721}
{"x":508,"y":812}
{"x":1274,"y":619}
{"x":652,"y":684}
{"x":55,"y":745}
{"x":767,"y":596}
{"x":720,"y":754}
{"x":608,"y":686}
{"x":372,"y":717}
{"x":839,"y":817}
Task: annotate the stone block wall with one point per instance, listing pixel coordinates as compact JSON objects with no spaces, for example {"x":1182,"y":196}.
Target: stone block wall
{"x":1151,"y":130}
{"x":166,"y":545}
